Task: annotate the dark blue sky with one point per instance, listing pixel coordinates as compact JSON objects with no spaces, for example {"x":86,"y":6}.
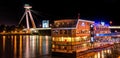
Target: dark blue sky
{"x":12,"y":10}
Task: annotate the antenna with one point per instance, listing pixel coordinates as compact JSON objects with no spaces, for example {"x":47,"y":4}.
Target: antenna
{"x":78,"y":16}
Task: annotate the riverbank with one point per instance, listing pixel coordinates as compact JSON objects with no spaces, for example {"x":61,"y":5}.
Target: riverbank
{"x":43,"y":33}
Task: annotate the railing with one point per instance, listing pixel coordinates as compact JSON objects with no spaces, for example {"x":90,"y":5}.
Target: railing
{"x":67,"y":43}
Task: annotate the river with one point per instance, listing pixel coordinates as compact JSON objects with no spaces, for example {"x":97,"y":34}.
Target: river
{"x":37,"y":46}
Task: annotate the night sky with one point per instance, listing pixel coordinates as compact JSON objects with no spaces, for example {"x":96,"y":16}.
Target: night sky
{"x":103,"y":10}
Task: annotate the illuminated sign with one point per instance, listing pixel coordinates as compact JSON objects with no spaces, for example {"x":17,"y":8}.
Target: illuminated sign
{"x":45,"y":23}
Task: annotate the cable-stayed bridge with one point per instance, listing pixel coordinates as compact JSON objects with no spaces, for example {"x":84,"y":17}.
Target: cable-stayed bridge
{"x":27,"y":14}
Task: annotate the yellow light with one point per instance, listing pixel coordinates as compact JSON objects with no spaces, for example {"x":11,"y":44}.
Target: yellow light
{"x":4,"y":38}
{"x":68,"y":39}
{"x":53,"y":46}
{"x":15,"y":31}
{"x":4,"y":31}
{"x":77,"y":38}
{"x":98,"y":54}
{"x":62,"y":39}
{"x":20,"y":31}
{"x":11,"y":31}
{"x":84,"y":37}
{"x":53,"y":39}
{"x":84,"y":45}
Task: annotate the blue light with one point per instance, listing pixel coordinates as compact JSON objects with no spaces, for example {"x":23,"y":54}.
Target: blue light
{"x":101,"y":34}
{"x":97,"y":34}
{"x":45,"y":23}
{"x":103,"y":23}
{"x":91,"y":26}
{"x":92,"y":39}
{"x":83,"y":24}
{"x":107,"y":25}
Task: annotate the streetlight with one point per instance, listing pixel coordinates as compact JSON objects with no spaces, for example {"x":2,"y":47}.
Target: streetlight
{"x":110,"y":22}
{"x":115,"y":30}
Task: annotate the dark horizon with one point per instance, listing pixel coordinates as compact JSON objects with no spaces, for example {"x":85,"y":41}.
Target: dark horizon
{"x":105,"y":10}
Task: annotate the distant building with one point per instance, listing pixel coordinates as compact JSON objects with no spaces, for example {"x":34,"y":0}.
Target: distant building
{"x":45,"y":24}
{"x":71,"y":36}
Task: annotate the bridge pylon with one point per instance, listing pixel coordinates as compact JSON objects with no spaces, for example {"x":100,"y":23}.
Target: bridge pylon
{"x":28,"y":14}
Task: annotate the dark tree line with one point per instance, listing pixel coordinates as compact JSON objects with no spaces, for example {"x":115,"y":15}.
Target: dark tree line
{"x":7,"y":28}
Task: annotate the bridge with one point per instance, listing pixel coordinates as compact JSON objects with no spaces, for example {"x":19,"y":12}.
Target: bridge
{"x":36,"y":30}
{"x":114,"y":27}
{"x":28,"y":15}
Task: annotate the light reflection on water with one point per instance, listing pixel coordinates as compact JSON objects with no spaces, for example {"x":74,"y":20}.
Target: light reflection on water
{"x":3,"y":43}
{"x":35,"y":46}
{"x":25,"y":46}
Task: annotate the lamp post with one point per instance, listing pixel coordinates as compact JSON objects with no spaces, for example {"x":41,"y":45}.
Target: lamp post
{"x":110,"y":22}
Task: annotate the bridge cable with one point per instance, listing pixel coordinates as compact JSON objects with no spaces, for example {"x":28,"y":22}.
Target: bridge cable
{"x":21,"y":18}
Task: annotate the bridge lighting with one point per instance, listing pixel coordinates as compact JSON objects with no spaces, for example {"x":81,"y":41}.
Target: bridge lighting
{"x":4,"y":31}
{"x":27,"y":6}
{"x":28,"y":16}
{"x":35,"y":31}
{"x":32,"y":29}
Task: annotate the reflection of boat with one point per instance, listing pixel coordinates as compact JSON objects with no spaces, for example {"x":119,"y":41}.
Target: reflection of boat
{"x":102,"y":47}
{"x":87,"y":55}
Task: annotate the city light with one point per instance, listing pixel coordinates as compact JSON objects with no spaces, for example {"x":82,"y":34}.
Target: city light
{"x":103,"y":23}
{"x":64,"y":37}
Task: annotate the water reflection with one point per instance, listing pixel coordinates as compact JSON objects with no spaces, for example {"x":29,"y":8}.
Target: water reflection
{"x":40,"y":42}
{"x":109,"y":52}
{"x":20,"y":47}
{"x":27,"y":46}
{"x":4,"y":43}
{"x":15,"y":46}
{"x":35,"y":46}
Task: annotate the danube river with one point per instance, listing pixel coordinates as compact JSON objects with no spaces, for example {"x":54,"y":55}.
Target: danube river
{"x":36,"y":46}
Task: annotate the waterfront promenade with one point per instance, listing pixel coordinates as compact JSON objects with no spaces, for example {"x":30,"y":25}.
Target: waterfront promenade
{"x":18,"y":33}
